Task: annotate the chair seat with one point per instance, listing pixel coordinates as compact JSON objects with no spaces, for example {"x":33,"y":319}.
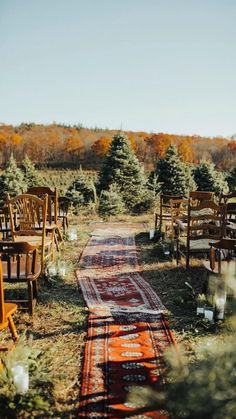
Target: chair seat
{"x":227,"y":267}
{"x":34,"y":240}
{"x":198,"y":244}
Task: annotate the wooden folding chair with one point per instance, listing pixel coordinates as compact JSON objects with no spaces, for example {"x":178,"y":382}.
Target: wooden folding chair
{"x":229,"y":200}
{"x":53,"y":223}
{"x":6,"y":311}
{"x":179,"y":215}
{"x":63,"y":209}
{"x":163,"y":216}
{"x":20,"y":264}
{"x":30,"y":226}
{"x":205,"y":223}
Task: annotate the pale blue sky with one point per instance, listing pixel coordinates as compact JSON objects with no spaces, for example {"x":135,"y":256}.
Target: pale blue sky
{"x":151,"y":65}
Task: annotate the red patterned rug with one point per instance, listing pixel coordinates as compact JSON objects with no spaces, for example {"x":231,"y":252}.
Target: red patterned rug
{"x":127,"y":333}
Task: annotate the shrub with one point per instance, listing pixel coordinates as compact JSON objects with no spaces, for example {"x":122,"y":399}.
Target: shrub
{"x":111,"y":202}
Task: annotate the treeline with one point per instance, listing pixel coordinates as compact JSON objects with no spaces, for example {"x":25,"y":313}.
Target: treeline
{"x":58,"y":145}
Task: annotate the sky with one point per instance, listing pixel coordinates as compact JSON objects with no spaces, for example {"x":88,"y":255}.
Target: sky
{"x":140,"y":65}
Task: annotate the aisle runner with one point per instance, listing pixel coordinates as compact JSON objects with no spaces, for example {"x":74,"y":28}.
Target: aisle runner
{"x":127,"y":332}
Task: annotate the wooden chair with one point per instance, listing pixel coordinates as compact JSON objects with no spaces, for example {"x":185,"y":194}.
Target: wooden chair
{"x":163,"y":216}
{"x":222,"y":257}
{"x":179,"y":213}
{"x":229,"y":200}
{"x":53,"y":223}
{"x":199,"y":196}
{"x":20,"y":264}
{"x":205,"y":223}
{"x":62,"y":214}
{"x":30,"y":226}
{"x":6,"y":311}
{"x":5,"y":226}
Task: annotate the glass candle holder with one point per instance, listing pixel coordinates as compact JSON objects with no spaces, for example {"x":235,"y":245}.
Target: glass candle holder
{"x":200,"y":307}
{"x":72,"y":234}
{"x":209,"y":313}
{"x":62,"y":269}
{"x":20,"y":374}
{"x":151,"y":234}
{"x":220,"y":308}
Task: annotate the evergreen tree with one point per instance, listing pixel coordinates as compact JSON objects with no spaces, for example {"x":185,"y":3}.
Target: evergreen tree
{"x":12,"y":180}
{"x":82,"y":191}
{"x":110,"y":202}
{"x":122,"y":167}
{"x":175,"y":176}
{"x":208,"y":178}
{"x":32,"y":176}
{"x":231,"y":180}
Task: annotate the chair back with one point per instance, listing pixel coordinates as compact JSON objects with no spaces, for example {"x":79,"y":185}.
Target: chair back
{"x":20,"y":260}
{"x":200,"y":196}
{"x":52,"y":211}
{"x":205,"y":221}
{"x":63,"y":206}
{"x":165,"y":209}
{"x":179,"y":211}
{"x":226,"y":248}
{"x":29,"y":213}
{"x":229,"y":200}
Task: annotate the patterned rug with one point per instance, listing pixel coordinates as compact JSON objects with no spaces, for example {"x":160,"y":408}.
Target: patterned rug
{"x":127,"y":332}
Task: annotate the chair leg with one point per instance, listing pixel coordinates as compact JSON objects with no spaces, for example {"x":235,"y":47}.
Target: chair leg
{"x":177,"y":252}
{"x":12,"y":328}
{"x":35,"y":290}
{"x":30,"y":298}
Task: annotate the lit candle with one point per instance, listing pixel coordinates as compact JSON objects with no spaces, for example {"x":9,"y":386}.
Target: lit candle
{"x":220,"y":306}
{"x":200,"y":310}
{"x":151,"y":234}
{"x":62,"y":270}
{"x":72,"y":235}
{"x":20,"y":378}
{"x":52,"y":270}
{"x":208,"y":314}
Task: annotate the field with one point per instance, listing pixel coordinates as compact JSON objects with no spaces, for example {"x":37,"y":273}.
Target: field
{"x":60,"y":321}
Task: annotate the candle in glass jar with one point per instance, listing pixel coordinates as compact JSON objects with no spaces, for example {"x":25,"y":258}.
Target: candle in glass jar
{"x":151,"y":234}
{"x":208,"y":314}
{"x":20,"y":378}
{"x":220,"y":305}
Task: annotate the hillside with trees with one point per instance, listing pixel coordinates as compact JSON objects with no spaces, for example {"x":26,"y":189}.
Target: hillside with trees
{"x":66,"y":146}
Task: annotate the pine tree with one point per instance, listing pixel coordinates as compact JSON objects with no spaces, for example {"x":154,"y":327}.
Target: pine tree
{"x":110,"y":202}
{"x":231,"y":179}
{"x":12,"y":180}
{"x":175,"y":176}
{"x":122,"y":167}
{"x":208,"y":178}
{"x":82,"y":191}
{"x":32,"y":176}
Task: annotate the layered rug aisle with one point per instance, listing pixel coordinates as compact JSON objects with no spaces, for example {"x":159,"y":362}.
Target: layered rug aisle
{"x":127,"y":333}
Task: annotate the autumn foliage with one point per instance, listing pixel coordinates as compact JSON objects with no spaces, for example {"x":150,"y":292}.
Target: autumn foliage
{"x":58,"y":145}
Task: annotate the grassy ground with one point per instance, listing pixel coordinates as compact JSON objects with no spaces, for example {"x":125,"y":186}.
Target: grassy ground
{"x":60,"y":322}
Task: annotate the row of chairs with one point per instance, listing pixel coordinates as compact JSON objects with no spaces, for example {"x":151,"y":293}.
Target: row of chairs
{"x":30,"y":233}
{"x":197,"y":221}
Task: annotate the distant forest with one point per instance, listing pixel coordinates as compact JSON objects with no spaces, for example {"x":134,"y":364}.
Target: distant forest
{"x":66,"y":146}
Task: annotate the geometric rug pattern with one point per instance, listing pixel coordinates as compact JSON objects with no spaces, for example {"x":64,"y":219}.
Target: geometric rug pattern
{"x":127,"y":327}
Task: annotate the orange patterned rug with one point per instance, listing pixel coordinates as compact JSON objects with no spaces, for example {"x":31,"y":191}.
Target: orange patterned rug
{"x":127,"y":332}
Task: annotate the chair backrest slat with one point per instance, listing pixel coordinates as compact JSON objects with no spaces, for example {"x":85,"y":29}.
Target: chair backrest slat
{"x":2,"y":306}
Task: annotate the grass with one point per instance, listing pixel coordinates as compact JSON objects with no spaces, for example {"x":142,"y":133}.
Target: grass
{"x":59,"y":325}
